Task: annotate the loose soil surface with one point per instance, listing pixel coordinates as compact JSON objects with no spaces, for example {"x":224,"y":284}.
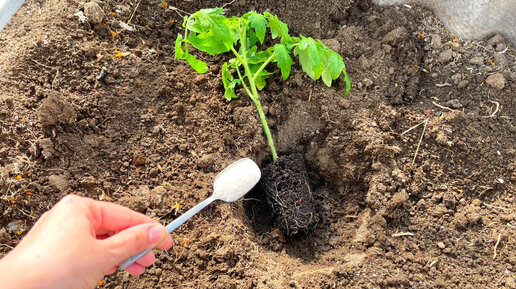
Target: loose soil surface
{"x":412,"y":173}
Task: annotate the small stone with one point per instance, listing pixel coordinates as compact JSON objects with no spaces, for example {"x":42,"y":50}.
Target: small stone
{"x":495,"y":39}
{"x":395,"y":36}
{"x":153,"y":172}
{"x":500,"y":60}
{"x":454,"y":103}
{"x":500,"y":46}
{"x":4,"y":237}
{"x":125,"y":164}
{"x":47,"y":147}
{"x":456,"y":78}
{"x":293,"y":284}
{"x":139,"y":160}
{"x":158,"y":130}
{"x":508,"y":217}
{"x":367,"y":82}
{"x":206,"y":162}
{"x":158,"y":272}
{"x":344,"y":103}
{"x":436,"y":40}
{"x":445,"y":56}
{"x":4,"y":152}
{"x":58,"y":182}
{"x":476,"y":202}
{"x":510,"y":283}
{"x":477,"y":60}
{"x":93,"y":12}
{"x":441,"y":245}
{"x":88,"y":182}
{"x":16,"y":226}
{"x":463,"y":84}
{"x":496,"y":81}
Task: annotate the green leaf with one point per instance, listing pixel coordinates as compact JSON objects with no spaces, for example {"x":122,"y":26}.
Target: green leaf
{"x":333,"y":65}
{"x":207,"y":43}
{"x":278,"y":28}
{"x":198,"y":65}
{"x":259,"y":57}
{"x":326,"y":74}
{"x":261,"y":78}
{"x":259,"y":23}
{"x":229,"y":82}
{"x":252,"y":39}
{"x":226,"y":75}
{"x":310,"y":57}
{"x":284,"y":60}
{"x":211,"y":31}
{"x":179,"y":52}
{"x":229,"y":92}
{"x":336,"y":64}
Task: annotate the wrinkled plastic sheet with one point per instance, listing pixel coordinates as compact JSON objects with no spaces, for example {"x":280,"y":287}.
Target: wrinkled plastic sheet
{"x":7,"y":9}
{"x":472,"y":19}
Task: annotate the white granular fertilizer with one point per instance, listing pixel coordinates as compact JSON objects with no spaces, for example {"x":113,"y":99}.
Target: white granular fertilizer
{"x":236,"y":180}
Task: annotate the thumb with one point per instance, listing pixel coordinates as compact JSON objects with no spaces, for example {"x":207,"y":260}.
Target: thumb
{"x":133,"y":240}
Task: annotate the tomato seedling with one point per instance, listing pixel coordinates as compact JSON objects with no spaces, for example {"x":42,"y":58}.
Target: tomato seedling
{"x":208,"y":30}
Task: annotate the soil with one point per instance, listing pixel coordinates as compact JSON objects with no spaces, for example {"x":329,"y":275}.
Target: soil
{"x":412,"y":173}
{"x":288,"y":193}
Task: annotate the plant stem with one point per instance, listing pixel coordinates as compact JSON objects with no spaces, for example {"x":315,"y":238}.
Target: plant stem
{"x":244,"y":85}
{"x":186,"y":34}
{"x":263,"y":66}
{"x":256,"y":101}
{"x":253,"y":94}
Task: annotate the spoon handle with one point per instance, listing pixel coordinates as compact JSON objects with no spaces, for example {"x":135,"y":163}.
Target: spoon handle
{"x":170,"y":227}
{"x":188,"y":214}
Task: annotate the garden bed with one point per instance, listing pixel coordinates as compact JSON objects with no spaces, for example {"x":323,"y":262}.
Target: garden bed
{"x":108,"y":113}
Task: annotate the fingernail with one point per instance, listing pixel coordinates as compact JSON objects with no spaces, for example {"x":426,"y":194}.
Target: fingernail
{"x":155,"y":234}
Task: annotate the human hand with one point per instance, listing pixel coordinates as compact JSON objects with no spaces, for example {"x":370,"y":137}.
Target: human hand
{"x":78,"y":242}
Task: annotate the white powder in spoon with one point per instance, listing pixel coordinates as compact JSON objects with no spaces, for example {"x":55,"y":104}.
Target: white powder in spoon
{"x":236,"y":180}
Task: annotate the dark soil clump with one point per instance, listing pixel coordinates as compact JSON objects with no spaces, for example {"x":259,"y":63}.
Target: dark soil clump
{"x":288,"y":193}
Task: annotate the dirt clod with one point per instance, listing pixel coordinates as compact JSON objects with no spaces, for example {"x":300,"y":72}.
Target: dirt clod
{"x":510,"y":282}
{"x":477,"y":60}
{"x":93,"y":12}
{"x":139,"y":160}
{"x":496,"y":81}
{"x":54,"y":110}
{"x":395,"y":36}
{"x":59,"y":182}
{"x":47,"y":147}
{"x":445,"y":56}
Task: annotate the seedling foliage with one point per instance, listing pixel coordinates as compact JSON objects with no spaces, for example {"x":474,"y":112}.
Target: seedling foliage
{"x":208,"y":30}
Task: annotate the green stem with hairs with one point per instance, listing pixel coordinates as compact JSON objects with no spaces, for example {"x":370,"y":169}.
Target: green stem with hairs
{"x":253,"y":94}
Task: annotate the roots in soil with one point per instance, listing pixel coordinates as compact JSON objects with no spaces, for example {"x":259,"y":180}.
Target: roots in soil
{"x":288,"y":192}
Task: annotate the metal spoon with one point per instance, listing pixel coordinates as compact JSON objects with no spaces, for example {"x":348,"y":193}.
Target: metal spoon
{"x":229,"y":185}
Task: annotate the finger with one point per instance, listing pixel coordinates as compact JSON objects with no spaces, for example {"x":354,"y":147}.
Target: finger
{"x":41,"y":220}
{"x":112,"y":270}
{"x":147,"y":259}
{"x":166,"y":244}
{"x":133,"y":240}
{"x":112,"y":217}
{"x":135,"y":269}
